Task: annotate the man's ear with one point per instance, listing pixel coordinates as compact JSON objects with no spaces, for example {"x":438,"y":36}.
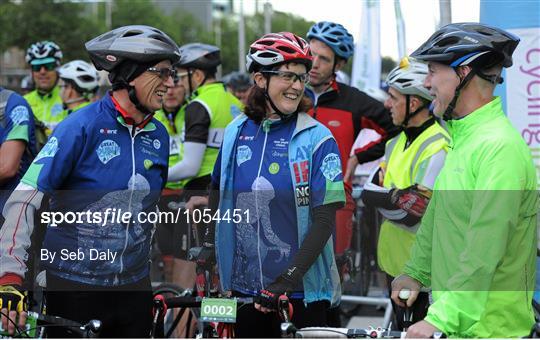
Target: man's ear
{"x":340,"y":63}
{"x":415,"y":103}
{"x":463,"y":71}
{"x":260,"y":80}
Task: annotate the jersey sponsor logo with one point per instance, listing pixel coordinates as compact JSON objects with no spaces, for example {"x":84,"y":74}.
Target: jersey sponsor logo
{"x":145,"y":140}
{"x":56,"y":110}
{"x":148,"y":164}
{"x":331,"y":166}
{"x":107,"y":150}
{"x":49,"y":150}
{"x":19,"y":115}
{"x":302,"y":153}
{"x":246,"y":138}
{"x":279,"y":154}
{"x":157,"y":144}
{"x":301,"y":172}
{"x":243,"y":154}
{"x":105,"y":131}
{"x":148,"y":152}
{"x":282,"y":143}
{"x":273,"y":168}
{"x":302,"y":195}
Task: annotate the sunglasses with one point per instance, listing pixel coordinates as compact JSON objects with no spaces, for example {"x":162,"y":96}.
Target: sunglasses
{"x":163,"y":73}
{"x":48,"y":67}
{"x":290,"y":77}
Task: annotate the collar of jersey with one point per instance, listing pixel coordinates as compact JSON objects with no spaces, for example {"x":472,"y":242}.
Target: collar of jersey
{"x":480,"y":116}
{"x":54,"y":93}
{"x":122,"y":116}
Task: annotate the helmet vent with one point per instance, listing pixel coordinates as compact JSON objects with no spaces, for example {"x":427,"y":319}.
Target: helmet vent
{"x":448,"y":41}
{"x":131,"y":33}
{"x":285,"y":49}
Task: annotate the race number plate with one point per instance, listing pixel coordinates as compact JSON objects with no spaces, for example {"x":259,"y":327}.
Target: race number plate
{"x":218,"y":310}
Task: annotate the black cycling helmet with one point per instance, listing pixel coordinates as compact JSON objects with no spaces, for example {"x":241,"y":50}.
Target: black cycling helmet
{"x":476,"y":45}
{"x":131,"y":45}
{"x":199,"y":56}
{"x":238,"y":81}
{"x":128,"y":51}
{"x":468,"y":43}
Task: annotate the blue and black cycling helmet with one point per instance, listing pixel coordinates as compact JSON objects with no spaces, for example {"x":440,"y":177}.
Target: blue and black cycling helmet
{"x":335,"y":36}
{"x":476,"y":45}
{"x":473,"y":44}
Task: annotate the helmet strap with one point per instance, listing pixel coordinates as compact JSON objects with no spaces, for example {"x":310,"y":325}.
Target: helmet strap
{"x":447,"y":115}
{"x":408,"y":114}
{"x":281,"y":115}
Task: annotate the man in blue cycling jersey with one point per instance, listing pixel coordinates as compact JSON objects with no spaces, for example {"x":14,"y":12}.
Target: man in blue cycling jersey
{"x":103,"y":168}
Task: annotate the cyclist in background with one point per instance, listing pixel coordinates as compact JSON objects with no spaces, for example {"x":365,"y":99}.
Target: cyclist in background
{"x":108,"y":155}
{"x":172,"y":238}
{"x":17,"y":142}
{"x":476,"y":245}
{"x":238,"y":84}
{"x":208,"y":111}
{"x":44,"y":58}
{"x":79,"y":82}
{"x":345,"y":111}
{"x":413,"y":161}
{"x":281,"y":168}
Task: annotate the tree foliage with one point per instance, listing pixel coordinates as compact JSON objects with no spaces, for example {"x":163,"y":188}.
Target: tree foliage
{"x":71,"y":24}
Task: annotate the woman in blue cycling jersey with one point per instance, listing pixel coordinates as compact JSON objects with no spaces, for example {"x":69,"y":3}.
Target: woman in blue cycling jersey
{"x":280,"y":183}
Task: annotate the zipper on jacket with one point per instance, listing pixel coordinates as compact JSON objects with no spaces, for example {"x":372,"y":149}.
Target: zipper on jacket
{"x":257,"y":210}
{"x":133,"y":133}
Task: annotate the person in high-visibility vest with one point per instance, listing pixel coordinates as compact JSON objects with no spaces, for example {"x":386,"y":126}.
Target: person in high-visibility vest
{"x":401,"y":188}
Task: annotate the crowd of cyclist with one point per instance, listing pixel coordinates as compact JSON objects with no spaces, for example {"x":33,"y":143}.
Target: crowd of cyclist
{"x":457,"y":188}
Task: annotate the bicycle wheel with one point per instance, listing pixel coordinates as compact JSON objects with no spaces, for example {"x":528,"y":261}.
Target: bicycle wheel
{"x":177,"y":322}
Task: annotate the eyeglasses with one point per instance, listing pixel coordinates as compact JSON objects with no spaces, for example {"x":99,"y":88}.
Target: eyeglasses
{"x":290,"y":77}
{"x":48,"y":67}
{"x":164,"y":73}
{"x":179,"y":76}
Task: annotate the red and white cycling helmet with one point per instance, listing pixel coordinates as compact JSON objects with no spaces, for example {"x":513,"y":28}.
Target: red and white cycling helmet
{"x":277,"y":48}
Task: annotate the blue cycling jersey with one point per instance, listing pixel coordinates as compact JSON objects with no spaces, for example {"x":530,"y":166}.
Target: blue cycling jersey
{"x":264,"y":193}
{"x":95,"y":164}
{"x":17,"y":124}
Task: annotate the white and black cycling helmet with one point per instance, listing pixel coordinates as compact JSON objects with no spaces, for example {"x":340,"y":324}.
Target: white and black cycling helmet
{"x":83,"y":76}
{"x":408,"y":78}
{"x":43,"y":52}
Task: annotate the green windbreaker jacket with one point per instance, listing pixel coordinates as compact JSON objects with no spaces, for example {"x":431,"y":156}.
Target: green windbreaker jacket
{"x":476,"y":246}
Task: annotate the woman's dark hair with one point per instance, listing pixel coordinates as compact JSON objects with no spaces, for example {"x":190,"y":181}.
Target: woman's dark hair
{"x":256,"y":102}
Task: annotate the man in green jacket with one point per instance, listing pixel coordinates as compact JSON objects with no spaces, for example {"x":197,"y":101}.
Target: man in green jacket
{"x":476,"y":245}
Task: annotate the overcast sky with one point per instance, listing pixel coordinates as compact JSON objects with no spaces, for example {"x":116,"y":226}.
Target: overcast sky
{"x":421,"y":17}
